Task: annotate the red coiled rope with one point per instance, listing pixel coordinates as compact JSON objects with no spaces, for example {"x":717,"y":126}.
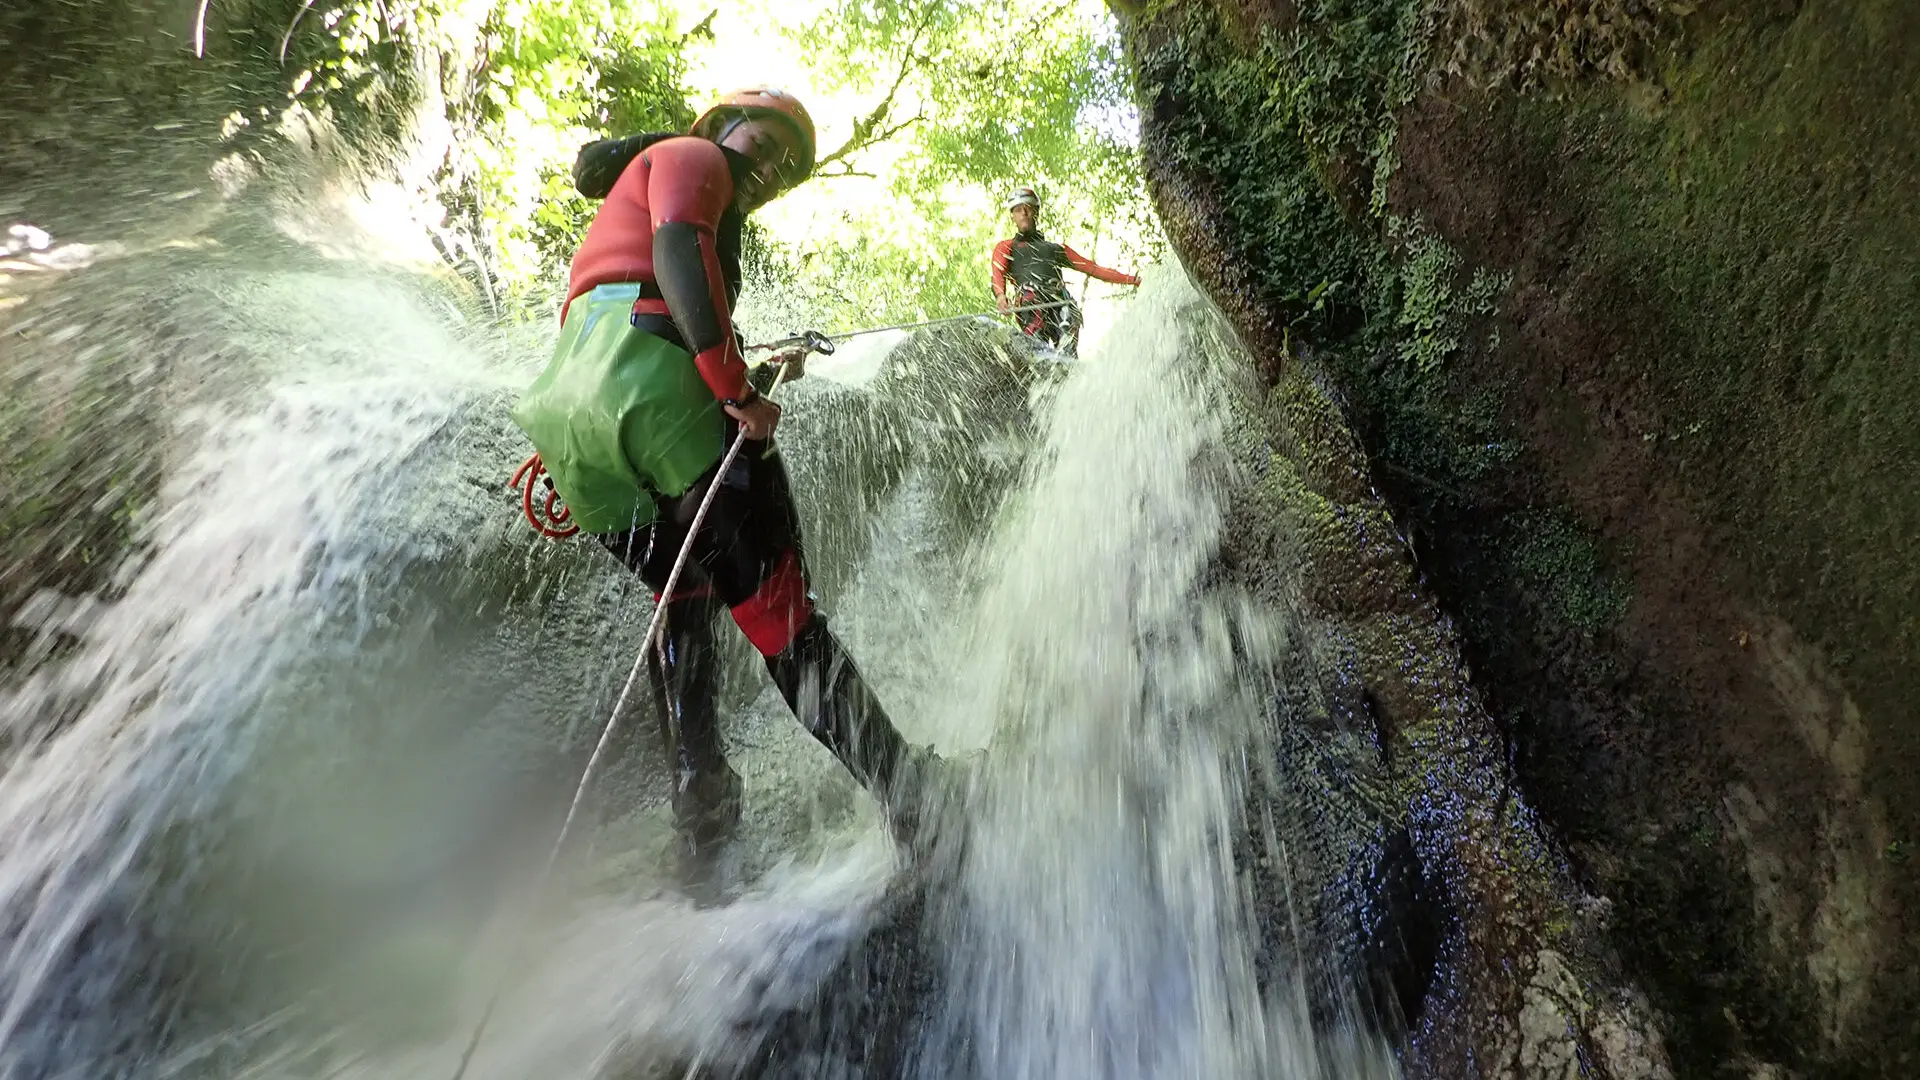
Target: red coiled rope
{"x":554,"y":520}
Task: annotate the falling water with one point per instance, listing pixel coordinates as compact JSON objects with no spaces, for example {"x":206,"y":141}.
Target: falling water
{"x":275,"y":524}
{"x":1101,"y":930}
{"x":261,"y":806}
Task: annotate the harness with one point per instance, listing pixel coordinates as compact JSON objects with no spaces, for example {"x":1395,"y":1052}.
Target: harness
{"x":1034,"y":263}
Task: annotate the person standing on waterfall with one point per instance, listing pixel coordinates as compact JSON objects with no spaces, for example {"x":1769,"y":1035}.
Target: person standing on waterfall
{"x":1033,"y":265}
{"x":646,"y":390}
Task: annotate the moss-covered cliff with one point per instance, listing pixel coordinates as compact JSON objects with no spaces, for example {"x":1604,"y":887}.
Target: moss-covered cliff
{"x":1617,"y":299}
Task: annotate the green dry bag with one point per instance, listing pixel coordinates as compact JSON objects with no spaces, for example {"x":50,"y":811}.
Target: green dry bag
{"x":619,"y":415}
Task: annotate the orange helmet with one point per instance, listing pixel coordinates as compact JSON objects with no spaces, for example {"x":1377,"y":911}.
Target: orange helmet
{"x":764,"y":101}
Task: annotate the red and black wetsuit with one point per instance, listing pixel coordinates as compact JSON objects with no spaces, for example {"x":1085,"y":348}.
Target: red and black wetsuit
{"x":1035,"y":266}
{"x":669,"y":223}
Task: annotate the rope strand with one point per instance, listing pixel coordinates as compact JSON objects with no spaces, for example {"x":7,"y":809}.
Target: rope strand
{"x":557,"y":525}
{"x":613,"y":722}
{"x":846,"y":335}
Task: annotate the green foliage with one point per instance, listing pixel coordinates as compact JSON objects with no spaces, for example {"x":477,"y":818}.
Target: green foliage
{"x":360,"y":61}
{"x":1532,"y":42}
{"x":972,"y":99}
{"x":1350,"y":66}
{"x":993,"y":93}
{"x":1285,"y":128}
{"x":522,"y":83}
{"x":967,"y":99}
{"x":1288,"y":138}
{"x":862,"y":278}
{"x":1555,"y":563}
{"x":1292,"y":132}
{"x":1435,"y":311}
{"x":558,"y":74}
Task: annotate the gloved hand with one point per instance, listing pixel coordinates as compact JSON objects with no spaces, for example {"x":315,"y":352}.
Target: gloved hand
{"x":757,"y":418}
{"x":793,"y":362}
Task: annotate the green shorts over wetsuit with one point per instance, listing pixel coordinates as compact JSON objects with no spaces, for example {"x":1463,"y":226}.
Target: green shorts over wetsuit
{"x":619,"y":416}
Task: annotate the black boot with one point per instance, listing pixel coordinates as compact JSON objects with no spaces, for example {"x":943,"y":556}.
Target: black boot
{"x":828,"y":695}
{"x":706,"y":790}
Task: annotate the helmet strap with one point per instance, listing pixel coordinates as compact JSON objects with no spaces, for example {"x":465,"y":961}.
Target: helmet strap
{"x":743,"y":117}
{"x":733,"y":124}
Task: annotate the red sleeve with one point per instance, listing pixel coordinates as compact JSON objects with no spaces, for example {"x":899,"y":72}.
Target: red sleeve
{"x":1092,"y":269}
{"x":1002,"y":256}
{"x":688,"y":184}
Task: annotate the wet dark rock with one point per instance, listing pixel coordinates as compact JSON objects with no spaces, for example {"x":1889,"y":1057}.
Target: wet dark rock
{"x":1619,"y":358}
{"x":962,"y":396}
{"x":869,"y":1018}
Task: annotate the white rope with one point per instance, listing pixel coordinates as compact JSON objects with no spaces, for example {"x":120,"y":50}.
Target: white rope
{"x":845,"y":335}
{"x":613,"y":720}
{"x":948,"y":319}
{"x":200,"y":30}
{"x":653,"y":630}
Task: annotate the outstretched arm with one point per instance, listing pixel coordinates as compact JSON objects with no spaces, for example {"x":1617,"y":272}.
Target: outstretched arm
{"x":1001,"y":259}
{"x":688,"y":189}
{"x":1095,"y":270}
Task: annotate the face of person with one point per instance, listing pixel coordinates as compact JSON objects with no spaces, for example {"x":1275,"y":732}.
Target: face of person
{"x":1024,"y":217}
{"x":771,"y":148}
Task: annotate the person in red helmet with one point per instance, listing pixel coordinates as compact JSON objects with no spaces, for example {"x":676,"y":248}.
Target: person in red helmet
{"x":1027,"y":273}
{"x":632,"y":417}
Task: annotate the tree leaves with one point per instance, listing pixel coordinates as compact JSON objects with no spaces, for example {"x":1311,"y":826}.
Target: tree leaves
{"x":971,"y":99}
{"x":965,"y":99}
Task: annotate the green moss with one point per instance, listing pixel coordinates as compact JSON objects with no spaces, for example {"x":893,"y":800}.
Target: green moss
{"x":1296,"y":185}
{"x":1738,"y":304}
{"x":1555,"y":562}
{"x":1768,"y":213}
{"x":1293,"y":132}
{"x":1531,"y":43}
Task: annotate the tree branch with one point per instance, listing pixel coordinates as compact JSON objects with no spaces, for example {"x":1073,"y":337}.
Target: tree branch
{"x":896,"y":129}
{"x":287,"y":38}
{"x":1048,"y":16}
{"x":865,"y":128}
{"x":704,"y":30}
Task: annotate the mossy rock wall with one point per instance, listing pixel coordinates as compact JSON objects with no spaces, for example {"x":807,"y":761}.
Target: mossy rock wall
{"x":1622,"y":319}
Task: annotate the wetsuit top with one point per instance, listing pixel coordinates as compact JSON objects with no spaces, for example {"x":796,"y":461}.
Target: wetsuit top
{"x":1035,"y":264}
{"x":669,"y":223}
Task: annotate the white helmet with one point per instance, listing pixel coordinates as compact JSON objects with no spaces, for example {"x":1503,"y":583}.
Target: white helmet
{"x":1023,"y":196}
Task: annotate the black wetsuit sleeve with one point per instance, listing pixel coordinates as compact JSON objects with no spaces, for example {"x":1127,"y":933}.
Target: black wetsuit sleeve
{"x":686,"y":281}
{"x":689,"y":191}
